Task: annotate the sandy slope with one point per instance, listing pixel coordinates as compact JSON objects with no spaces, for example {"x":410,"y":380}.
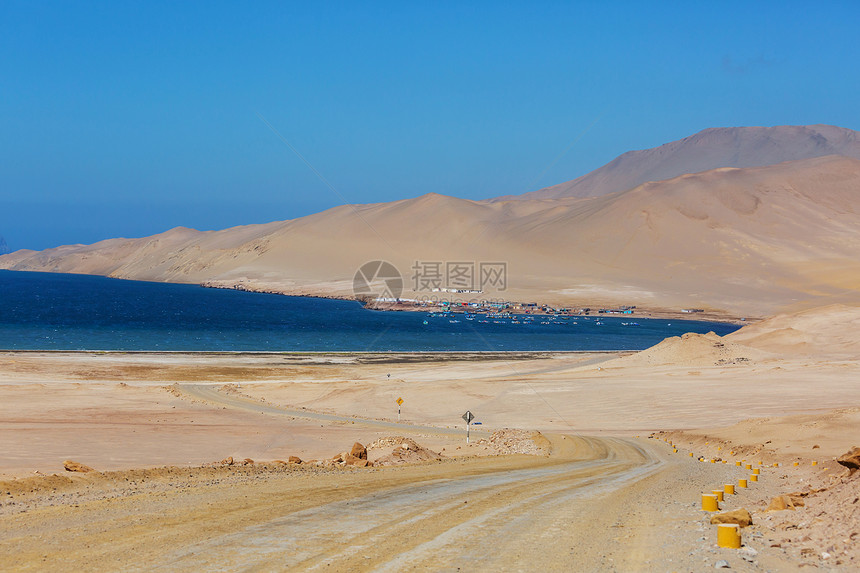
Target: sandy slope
{"x":829,"y":332}
{"x":749,"y":392}
{"x":709,"y":149}
{"x":747,"y":241}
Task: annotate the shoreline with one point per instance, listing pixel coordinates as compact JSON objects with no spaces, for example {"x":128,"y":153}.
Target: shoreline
{"x":486,"y":354}
{"x":707,"y":315}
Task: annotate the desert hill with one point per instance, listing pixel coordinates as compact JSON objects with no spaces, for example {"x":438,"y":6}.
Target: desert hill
{"x":831,"y":331}
{"x":709,"y":149}
{"x":749,"y":241}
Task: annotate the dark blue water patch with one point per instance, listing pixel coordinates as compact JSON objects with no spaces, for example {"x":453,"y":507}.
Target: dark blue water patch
{"x":48,"y":311}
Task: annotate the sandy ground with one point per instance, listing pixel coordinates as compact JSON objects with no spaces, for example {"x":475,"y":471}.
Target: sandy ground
{"x":596,"y":504}
{"x":619,"y":500}
{"x":129,"y":410}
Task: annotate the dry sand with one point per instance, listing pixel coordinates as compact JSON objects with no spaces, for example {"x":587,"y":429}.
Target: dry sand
{"x":746,"y":242}
{"x":594,"y":493}
{"x":751,"y":392}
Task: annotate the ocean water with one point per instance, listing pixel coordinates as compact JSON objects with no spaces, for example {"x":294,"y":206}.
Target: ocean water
{"x":46,"y":311}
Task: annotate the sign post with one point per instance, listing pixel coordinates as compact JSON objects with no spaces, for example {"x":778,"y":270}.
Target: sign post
{"x":399,"y":403}
{"x":468,"y":416}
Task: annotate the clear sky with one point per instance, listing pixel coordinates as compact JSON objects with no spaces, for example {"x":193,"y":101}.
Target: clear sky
{"x":129,"y":118}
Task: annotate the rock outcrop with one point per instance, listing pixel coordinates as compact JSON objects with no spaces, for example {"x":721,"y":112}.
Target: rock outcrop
{"x":72,"y":466}
{"x":404,"y":451}
{"x":358,"y":451}
{"x":740,"y":517}
{"x":783,"y":502}
{"x":850,"y":459}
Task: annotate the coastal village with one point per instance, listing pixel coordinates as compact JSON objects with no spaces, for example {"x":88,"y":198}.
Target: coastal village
{"x":492,"y":307}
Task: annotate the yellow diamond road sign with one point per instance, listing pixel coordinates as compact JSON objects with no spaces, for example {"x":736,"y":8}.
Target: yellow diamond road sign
{"x":399,"y":401}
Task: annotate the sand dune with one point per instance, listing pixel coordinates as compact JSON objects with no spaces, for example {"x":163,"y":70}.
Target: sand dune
{"x":747,"y":241}
{"x":831,"y":332}
{"x":693,"y":350}
{"x":753,"y":240}
{"x":709,"y":149}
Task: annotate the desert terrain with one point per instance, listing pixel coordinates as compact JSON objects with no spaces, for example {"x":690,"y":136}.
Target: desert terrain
{"x":775,"y":233}
{"x":599,"y":485}
{"x":576,"y":462}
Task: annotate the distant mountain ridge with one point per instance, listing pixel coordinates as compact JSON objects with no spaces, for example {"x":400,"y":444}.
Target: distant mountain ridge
{"x":711,"y":148}
{"x":747,"y":240}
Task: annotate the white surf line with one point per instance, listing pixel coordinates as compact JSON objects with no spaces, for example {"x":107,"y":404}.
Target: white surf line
{"x":295,"y":538}
{"x":210,"y":393}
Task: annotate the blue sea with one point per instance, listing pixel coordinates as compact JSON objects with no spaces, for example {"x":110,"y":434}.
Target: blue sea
{"x":47,"y":311}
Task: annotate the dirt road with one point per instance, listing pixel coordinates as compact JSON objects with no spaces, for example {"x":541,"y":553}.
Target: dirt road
{"x":595,"y":504}
{"x":499,"y":517}
{"x":506,"y":511}
{"x":604,"y":504}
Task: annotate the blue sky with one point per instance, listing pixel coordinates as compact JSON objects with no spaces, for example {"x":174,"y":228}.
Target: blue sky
{"x":129,"y":118}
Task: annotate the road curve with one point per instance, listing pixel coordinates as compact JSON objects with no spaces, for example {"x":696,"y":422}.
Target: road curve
{"x":506,"y":519}
{"x":561,"y":512}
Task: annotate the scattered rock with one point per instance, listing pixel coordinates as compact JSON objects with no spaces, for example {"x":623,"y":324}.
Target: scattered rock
{"x":247,"y":462}
{"x":780,"y":503}
{"x":72,"y":466}
{"x":227,"y":461}
{"x":351,"y":460}
{"x":294,"y":460}
{"x":722,"y":564}
{"x":747,"y":553}
{"x":404,"y":450}
{"x":279,"y":462}
{"x":783,"y":502}
{"x":358,"y":451}
{"x":850,"y":459}
{"x":508,"y":441}
{"x":741,"y":517}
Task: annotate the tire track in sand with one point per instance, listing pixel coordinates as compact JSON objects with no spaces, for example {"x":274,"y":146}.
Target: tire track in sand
{"x":435,"y":525}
